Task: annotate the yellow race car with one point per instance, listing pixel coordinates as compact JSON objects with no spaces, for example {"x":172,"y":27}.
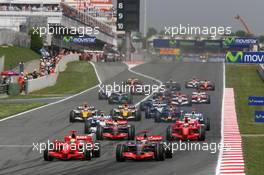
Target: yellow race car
{"x":126,"y":113}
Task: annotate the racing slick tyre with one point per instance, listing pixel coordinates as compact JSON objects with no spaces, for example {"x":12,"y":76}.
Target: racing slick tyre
{"x":87,"y":127}
{"x":147,"y":113}
{"x":138,"y":115}
{"x":99,"y":133}
{"x":112,"y":112}
{"x":110,"y":101}
{"x":141,"y":106}
{"x":46,"y":155}
{"x":119,"y":153}
{"x":100,"y":96}
{"x":189,"y":101}
{"x":72,"y":116}
{"x":131,"y":133}
{"x":87,"y":155}
{"x":207,"y":124}
{"x":201,"y":133}
{"x":169,"y":133}
{"x":213,"y":87}
{"x":168,"y":150}
{"x":209,"y":100}
{"x":159,"y":152}
{"x":130,"y":99}
{"x":97,"y":150}
{"x":177,"y":87}
{"x":157,"y":117}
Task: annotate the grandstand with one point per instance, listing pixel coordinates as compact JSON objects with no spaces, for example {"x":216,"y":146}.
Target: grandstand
{"x":20,"y":14}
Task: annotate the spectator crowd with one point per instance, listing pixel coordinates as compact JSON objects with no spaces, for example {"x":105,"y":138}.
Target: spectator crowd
{"x":47,"y":67}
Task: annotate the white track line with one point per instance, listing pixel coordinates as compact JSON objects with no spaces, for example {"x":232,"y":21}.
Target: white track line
{"x":70,"y":97}
{"x":143,"y":75}
{"x":50,"y":104}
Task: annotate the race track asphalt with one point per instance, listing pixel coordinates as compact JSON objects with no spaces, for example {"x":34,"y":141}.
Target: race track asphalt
{"x":52,"y":122}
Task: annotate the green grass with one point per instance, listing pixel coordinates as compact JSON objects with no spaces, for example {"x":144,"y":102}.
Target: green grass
{"x":9,"y":109}
{"x":14,"y":55}
{"x":246,"y":82}
{"x":254,"y":155}
{"x":78,"y":76}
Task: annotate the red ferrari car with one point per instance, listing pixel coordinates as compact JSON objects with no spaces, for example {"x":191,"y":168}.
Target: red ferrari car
{"x":145,"y":147}
{"x":136,"y":86}
{"x":206,"y":86}
{"x":115,"y":129}
{"x":186,"y":130}
{"x":73,"y":147}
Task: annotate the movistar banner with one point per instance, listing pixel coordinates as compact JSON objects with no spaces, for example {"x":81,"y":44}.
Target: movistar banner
{"x":244,"y":57}
{"x":255,"y":101}
{"x":239,"y":42}
{"x":79,"y":40}
{"x":259,"y":116}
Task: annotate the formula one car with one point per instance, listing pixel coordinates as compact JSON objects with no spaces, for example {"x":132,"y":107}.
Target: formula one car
{"x":154,"y":109}
{"x":82,"y":113}
{"x":193,"y":83}
{"x":186,"y":130}
{"x":145,"y":147}
{"x":180,"y":99}
{"x":104,"y":95}
{"x":149,"y":102}
{"x":200,"y":118}
{"x":168,"y":114}
{"x":126,"y":112}
{"x":200,"y":97}
{"x":172,"y":85}
{"x":136,"y":86}
{"x":120,"y":98}
{"x":115,"y":129}
{"x":73,"y":147}
{"x":206,"y":86}
{"x":90,"y":125}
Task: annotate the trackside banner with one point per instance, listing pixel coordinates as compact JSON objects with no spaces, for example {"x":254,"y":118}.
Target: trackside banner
{"x":239,"y":42}
{"x":244,"y":57}
{"x":259,"y":116}
{"x":255,"y":101}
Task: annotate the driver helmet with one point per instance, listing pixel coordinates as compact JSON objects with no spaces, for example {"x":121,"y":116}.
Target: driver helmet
{"x":73,"y":140}
{"x":85,"y":105}
{"x":145,"y":136}
{"x":125,"y":106}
